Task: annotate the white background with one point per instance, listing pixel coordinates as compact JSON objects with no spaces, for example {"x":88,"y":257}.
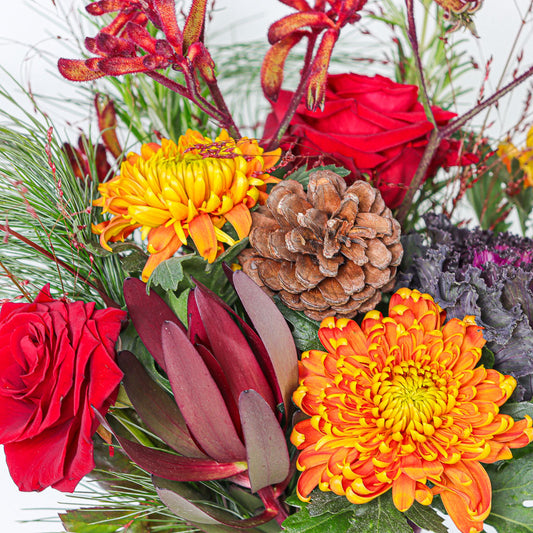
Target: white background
{"x":32,"y":38}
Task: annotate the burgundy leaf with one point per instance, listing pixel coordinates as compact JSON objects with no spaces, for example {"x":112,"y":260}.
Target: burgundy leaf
{"x":252,"y":337}
{"x":222,"y":383}
{"x":175,"y":467}
{"x":198,"y":397}
{"x":148,"y":313}
{"x":155,"y":407}
{"x":187,"y":503}
{"x":266,"y":448}
{"x":231,"y":350}
{"x":273,"y":331}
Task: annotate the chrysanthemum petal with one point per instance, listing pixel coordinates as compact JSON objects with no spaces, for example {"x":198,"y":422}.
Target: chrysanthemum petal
{"x":202,"y":232}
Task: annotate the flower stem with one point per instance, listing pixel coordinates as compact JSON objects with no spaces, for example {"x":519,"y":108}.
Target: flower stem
{"x":438,"y":135}
{"x":205,"y":106}
{"x":459,"y":122}
{"x":228,"y":122}
{"x":413,"y":40}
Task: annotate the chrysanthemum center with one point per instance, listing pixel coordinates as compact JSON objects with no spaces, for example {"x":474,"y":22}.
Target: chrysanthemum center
{"x":409,"y":399}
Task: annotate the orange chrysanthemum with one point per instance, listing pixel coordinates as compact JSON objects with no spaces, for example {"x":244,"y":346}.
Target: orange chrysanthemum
{"x":398,"y":403}
{"x":173,"y":191}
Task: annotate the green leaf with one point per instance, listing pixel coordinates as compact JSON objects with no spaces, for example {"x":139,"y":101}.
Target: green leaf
{"x":380,"y":515}
{"x":304,"y":329}
{"x":178,"y":304}
{"x":512,"y":484}
{"x":169,"y":273}
{"x":302,"y":174}
{"x":517,"y":410}
{"x":134,"y":262}
{"x":302,"y":522}
{"x":487,"y":358}
{"x":426,"y":518}
{"x":329,"y":513}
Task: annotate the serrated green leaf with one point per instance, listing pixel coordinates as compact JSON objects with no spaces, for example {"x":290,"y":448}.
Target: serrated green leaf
{"x":302,"y":174}
{"x":327,"y":502}
{"x":329,"y":513}
{"x":380,"y":515}
{"x":304,"y":329}
{"x":512,"y":484}
{"x":169,"y":273}
{"x":426,"y":518}
{"x":517,"y":409}
{"x":302,"y":522}
{"x":134,"y":262}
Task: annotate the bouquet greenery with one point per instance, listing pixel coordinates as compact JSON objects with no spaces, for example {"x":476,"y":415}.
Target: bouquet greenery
{"x":289,"y":331}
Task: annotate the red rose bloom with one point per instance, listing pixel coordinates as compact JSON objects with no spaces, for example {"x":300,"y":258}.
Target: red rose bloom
{"x":369,"y":125}
{"x":56,"y":364}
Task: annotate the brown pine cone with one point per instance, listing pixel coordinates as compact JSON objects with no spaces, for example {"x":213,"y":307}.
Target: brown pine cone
{"x":332,"y":251}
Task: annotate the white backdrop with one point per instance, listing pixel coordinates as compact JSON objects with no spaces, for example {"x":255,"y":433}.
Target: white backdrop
{"x":31,"y":40}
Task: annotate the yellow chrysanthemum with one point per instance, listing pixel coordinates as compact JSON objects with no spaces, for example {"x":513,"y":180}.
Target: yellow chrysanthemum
{"x":173,"y":191}
{"x":398,"y":403}
{"x":508,"y":151}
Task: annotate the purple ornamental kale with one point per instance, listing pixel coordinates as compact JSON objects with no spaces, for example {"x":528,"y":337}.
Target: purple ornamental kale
{"x":490,"y":276}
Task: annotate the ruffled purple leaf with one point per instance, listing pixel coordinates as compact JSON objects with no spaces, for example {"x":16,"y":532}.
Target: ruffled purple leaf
{"x":490,"y":276}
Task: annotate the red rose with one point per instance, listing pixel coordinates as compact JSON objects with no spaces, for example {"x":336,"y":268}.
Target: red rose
{"x":369,"y":125}
{"x":56,"y":363}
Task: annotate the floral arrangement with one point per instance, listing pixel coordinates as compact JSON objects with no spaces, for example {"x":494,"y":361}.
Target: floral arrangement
{"x":294,"y":330}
